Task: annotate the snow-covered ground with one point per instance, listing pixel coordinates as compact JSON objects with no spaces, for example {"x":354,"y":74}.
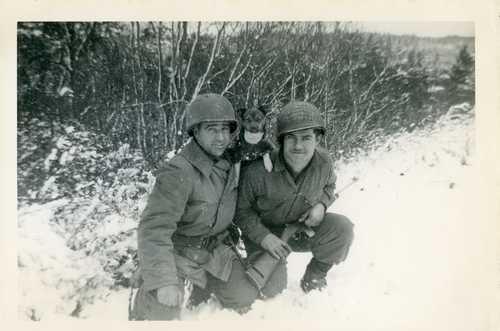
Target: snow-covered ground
{"x":416,"y":261}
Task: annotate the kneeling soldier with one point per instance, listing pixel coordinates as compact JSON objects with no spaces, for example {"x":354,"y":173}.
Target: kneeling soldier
{"x":300,"y":188}
{"x":183,"y":231}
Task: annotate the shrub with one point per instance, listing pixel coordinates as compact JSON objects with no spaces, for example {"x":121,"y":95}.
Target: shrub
{"x":105,"y":190}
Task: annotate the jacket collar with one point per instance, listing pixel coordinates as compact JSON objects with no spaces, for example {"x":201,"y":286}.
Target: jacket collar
{"x":195,"y":155}
{"x":198,"y":157}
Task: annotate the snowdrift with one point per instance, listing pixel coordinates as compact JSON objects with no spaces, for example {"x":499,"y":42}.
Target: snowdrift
{"x":411,"y":266}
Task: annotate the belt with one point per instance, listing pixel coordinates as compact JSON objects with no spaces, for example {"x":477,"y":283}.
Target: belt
{"x":201,"y":242}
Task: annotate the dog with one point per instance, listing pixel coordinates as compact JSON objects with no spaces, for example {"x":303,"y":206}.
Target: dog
{"x":251,"y":142}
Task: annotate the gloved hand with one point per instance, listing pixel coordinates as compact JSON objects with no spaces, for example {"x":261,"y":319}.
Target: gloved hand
{"x":314,"y":216}
{"x":170,"y":295}
{"x":275,"y":246}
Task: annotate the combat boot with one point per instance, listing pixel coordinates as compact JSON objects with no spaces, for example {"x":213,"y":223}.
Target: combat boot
{"x":308,"y":283}
{"x":315,"y":276}
{"x":197,"y":297}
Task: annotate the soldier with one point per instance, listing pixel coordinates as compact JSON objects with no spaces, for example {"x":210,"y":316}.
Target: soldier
{"x":183,"y":231}
{"x":300,"y":188}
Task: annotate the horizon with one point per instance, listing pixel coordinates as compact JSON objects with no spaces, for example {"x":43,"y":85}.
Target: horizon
{"x":433,"y":29}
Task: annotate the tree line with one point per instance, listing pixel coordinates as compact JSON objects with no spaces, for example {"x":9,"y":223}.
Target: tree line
{"x":132,"y":80}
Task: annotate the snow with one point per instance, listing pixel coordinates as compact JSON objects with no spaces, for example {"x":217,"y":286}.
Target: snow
{"x":435,"y":88}
{"x":49,"y":272}
{"x":52,"y":156}
{"x":49,"y":185}
{"x":413,"y":264}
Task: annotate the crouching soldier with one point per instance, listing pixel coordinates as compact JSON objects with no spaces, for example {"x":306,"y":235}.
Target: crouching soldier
{"x":298,"y":190}
{"x":183,"y":231}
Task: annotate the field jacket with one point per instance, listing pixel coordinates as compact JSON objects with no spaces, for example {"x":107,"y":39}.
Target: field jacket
{"x":189,"y":198}
{"x":275,"y":198}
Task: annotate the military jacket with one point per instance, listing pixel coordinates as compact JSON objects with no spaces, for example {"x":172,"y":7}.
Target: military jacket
{"x":189,"y":198}
{"x":275,"y":198}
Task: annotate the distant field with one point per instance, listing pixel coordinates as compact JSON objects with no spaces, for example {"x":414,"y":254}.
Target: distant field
{"x":439,"y":52}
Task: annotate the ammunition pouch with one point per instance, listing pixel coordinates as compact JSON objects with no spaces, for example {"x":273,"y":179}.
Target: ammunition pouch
{"x":198,"y":248}
{"x":201,"y":242}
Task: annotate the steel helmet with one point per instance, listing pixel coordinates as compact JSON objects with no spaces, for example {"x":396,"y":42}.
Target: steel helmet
{"x":299,"y":115}
{"x":210,"y":107}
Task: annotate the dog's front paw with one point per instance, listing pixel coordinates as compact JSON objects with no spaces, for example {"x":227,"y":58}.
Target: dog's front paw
{"x":267,"y":162}
{"x":237,"y":169}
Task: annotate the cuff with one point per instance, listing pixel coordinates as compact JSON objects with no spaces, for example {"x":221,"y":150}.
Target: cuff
{"x":326,"y":201}
{"x":153,"y":283}
{"x":259,"y":234}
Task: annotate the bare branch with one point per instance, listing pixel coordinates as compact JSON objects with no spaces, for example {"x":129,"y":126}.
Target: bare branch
{"x":84,"y":42}
{"x":249,"y":89}
{"x":160,"y":60}
{"x":277,"y":93}
{"x":191,"y":54}
{"x":236,"y":63}
{"x":203,"y":78}
{"x":181,"y":27}
{"x":306,"y":94}
{"x":363,"y":96}
{"x":232,"y":81}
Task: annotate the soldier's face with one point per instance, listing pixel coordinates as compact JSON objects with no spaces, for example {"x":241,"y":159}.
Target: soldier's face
{"x":213,"y":137}
{"x":298,"y":148}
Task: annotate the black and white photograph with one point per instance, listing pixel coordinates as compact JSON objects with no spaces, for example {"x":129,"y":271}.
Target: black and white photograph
{"x":318,"y":171}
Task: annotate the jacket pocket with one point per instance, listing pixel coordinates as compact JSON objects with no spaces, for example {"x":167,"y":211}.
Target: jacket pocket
{"x":199,"y":212}
{"x":269,"y":204}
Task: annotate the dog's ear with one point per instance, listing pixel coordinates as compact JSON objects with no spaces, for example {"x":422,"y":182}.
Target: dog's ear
{"x":240,"y":112}
{"x":264,"y":109}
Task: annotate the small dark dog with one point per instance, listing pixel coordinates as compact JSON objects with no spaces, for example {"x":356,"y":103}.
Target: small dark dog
{"x":251,"y":143}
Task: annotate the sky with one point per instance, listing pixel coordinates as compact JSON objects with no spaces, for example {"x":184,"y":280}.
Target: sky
{"x":427,"y":29}
{"x":419,"y":28}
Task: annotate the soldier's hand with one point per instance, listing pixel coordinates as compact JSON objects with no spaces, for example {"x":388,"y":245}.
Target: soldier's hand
{"x":303,"y":217}
{"x":170,"y":295}
{"x":275,"y":246}
{"x":314,"y":216}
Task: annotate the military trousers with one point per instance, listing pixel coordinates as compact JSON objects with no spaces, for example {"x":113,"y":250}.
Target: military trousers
{"x":237,"y":293}
{"x":329,"y":246}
